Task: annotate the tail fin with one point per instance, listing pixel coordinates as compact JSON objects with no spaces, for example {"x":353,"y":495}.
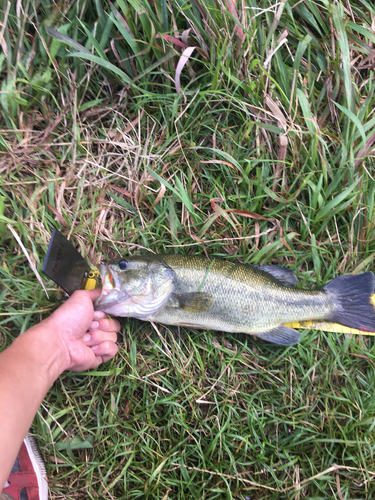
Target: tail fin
{"x":354,"y":305}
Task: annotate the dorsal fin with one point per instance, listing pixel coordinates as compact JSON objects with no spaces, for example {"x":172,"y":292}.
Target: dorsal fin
{"x":284,"y":275}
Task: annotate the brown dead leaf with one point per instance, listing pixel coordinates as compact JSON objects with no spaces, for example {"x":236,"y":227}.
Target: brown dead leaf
{"x":231,"y":6}
{"x":284,"y":242}
{"x":56,"y":460}
{"x":220,"y":161}
{"x":246,"y":213}
{"x":131,"y":126}
{"x":120,"y":190}
{"x":362,"y":356}
{"x":127,"y":408}
{"x":276,"y":111}
{"x":283,"y":146}
{"x":60,"y":218}
{"x":159,"y":196}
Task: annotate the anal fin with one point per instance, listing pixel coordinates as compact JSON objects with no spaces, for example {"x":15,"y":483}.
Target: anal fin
{"x":281,"y":335}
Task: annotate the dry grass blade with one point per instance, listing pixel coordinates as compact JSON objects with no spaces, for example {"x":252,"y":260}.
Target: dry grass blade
{"x":3,"y":26}
{"x":27,"y":255}
{"x":180,"y":66}
{"x":228,"y":476}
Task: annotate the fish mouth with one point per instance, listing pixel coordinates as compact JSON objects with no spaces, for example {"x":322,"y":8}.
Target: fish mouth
{"x":111,"y":292}
{"x":109,"y":282}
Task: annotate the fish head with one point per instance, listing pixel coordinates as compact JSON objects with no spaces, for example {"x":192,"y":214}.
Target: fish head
{"x":135,"y":287}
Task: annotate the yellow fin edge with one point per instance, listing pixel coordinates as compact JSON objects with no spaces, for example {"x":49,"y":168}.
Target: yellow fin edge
{"x":328,"y":326}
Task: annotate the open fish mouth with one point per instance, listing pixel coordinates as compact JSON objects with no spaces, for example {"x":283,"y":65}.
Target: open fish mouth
{"x":108,"y":280}
{"x":114,"y":300}
{"x":109,"y":277}
{"x":111,"y":291}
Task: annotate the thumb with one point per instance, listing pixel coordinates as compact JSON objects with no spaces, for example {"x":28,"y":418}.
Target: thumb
{"x":93,"y":294}
{"x":90,"y":294}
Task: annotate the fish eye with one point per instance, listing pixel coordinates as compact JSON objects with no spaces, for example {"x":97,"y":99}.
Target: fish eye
{"x":122,"y":264}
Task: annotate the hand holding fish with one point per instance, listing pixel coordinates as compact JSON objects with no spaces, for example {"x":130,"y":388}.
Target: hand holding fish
{"x":86,"y":337}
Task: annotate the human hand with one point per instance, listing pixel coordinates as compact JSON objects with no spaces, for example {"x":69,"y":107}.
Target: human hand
{"x":86,"y":337}
{"x":74,"y":338}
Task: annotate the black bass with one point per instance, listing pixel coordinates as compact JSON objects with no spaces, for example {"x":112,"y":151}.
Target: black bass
{"x":215,"y":294}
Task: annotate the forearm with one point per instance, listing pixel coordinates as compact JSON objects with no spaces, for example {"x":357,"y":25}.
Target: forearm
{"x":33,"y":362}
{"x":28,"y":368}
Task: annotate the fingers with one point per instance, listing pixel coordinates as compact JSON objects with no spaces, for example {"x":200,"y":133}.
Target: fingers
{"x":104,"y":358}
{"x":106,"y":324}
{"x":105,"y":350}
{"x":96,"y":337}
{"x":103,"y":346}
{"x":98,"y":354}
{"x":98,"y":315}
{"x":102,"y":338}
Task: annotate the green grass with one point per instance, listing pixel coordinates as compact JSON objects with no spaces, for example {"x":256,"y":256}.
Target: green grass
{"x":266,"y":156}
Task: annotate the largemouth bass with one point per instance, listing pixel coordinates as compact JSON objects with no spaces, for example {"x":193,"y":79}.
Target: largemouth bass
{"x":215,"y":294}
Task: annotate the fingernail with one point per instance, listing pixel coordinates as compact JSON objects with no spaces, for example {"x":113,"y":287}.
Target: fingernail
{"x":94,"y":347}
{"x":94,"y":325}
{"x":86,"y":337}
{"x":99,"y":315}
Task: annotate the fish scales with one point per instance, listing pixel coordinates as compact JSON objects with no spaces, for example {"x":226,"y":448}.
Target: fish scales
{"x":245,"y":300}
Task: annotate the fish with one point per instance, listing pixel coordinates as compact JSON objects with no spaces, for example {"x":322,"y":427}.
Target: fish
{"x":216,"y":294}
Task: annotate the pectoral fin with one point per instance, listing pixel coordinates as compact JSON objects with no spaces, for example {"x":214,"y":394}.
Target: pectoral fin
{"x":195,"y":302}
{"x":282,"y":335}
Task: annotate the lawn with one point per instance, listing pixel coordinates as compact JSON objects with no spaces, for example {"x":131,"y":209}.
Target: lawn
{"x":240,"y":130}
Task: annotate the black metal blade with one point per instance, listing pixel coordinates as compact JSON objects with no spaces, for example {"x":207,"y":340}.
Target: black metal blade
{"x":64,"y":264}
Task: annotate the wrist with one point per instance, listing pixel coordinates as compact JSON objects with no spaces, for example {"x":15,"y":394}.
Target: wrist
{"x":46,"y":349}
